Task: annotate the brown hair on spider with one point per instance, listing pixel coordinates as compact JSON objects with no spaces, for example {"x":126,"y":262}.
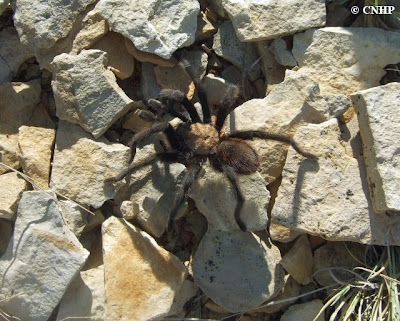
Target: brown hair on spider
{"x":197,"y":139}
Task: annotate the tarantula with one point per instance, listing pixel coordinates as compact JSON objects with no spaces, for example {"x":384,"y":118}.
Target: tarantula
{"x":195,"y":139}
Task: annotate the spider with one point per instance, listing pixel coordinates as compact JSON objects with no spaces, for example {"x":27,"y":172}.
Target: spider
{"x":195,"y":140}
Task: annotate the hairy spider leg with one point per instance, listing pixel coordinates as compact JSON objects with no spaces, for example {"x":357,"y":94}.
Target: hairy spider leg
{"x":231,"y":174}
{"x":249,"y":135}
{"x":140,"y":136}
{"x":229,"y":102}
{"x":190,"y":176}
{"x":232,"y":177}
{"x":169,"y":156}
{"x":172,"y":142}
{"x":160,"y":109}
{"x":171,"y":96}
{"x":147,"y":115}
{"x":156,"y":107}
{"x":200,"y":91}
{"x":204,"y":104}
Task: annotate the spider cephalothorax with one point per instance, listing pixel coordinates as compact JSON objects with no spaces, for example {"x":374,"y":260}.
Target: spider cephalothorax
{"x":195,"y":139}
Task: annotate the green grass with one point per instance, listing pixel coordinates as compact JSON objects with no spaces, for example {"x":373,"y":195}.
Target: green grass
{"x":373,"y":293}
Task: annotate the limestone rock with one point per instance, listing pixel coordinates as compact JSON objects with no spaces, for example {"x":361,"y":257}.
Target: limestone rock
{"x":127,"y":210}
{"x":242,"y":55}
{"x":144,"y":286}
{"x":78,"y":219}
{"x":215,"y":199}
{"x":282,"y":233}
{"x":237,"y":270}
{"x":197,"y":60}
{"x":86,"y":92}
{"x":211,"y":305}
{"x":335,"y":258}
{"x":326,"y":194}
{"x":256,"y":20}
{"x":291,"y":289}
{"x":17,"y":106}
{"x":304,"y":312}
{"x":283,"y":56}
{"x":133,"y":122}
{"x":150,"y":88}
{"x":337,"y":104}
{"x":187,"y":291}
{"x":81,"y":165}
{"x":152,"y":190}
{"x":215,"y":88}
{"x":205,"y":27}
{"x":55,"y":22}
{"x":88,"y":27}
{"x":273,"y":72}
{"x":35,"y":149}
{"x":85,"y":297}
{"x":45,"y":247}
{"x":377,"y":110}
{"x":11,"y":189}
{"x":339,"y":59}
{"x":294,"y":102}
{"x":149,"y":57}
{"x":119,"y":60}
{"x":12,"y":53}
{"x":153,"y":26}
{"x":174,"y":78}
{"x":298,"y":261}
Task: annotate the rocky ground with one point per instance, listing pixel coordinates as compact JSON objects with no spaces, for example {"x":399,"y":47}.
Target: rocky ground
{"x":73,"y":76}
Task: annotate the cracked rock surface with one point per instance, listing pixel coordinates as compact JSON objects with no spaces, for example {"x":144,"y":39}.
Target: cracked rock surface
{"x":171,"y":240}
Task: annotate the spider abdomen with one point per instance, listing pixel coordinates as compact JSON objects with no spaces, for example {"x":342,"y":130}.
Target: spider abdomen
{"x":239,"y":155}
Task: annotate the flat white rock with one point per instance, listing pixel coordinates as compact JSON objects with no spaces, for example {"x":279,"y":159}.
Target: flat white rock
{"x":298,"y":261}
{"x":142,"y":280}
{"x":81,"y":165}
{"x":11,"y":189}
{"x":329,"y":197}
{"x":243,"y":55}
{"x":294,"y":102}
{"x":304,"y":311}
{"x":378,"y":112}
{"x":12,"y":53}
{"x":256,"y":20}
{"x":54,"y":19}
{"x":78,"y":219}
{"x":216,"y":200}
{"x":151,"y":189}
{"x":237,"y":270}
{"x":154,"y":26}
{"x":339,"y":59}
{"x":85,"y":297}
{"x":86,"y":92}
{"x":88,"y":27}
{"x":42,"y":258}
{"x":120,"y":61}
{"x":18,"y":104}
{"x":35,"y":152}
